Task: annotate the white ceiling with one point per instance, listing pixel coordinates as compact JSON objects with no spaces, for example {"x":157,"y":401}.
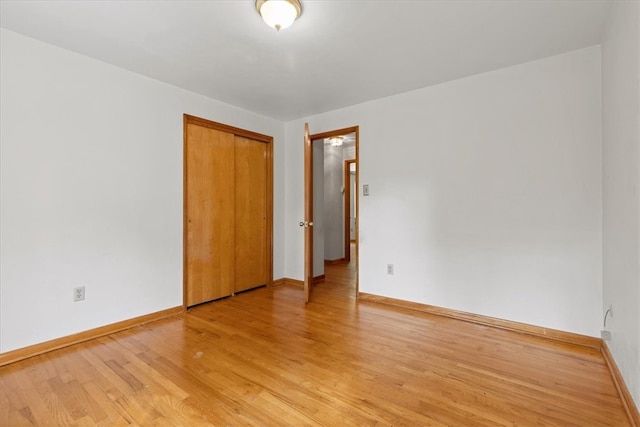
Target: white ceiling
{"x":339,"y":53}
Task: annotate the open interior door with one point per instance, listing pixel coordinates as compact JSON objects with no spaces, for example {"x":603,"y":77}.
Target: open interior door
{"x":308,"y":215}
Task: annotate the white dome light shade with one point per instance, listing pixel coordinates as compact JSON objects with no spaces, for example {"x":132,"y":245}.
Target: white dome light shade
{"x":279,"y":14}
{"x":336,"y":141}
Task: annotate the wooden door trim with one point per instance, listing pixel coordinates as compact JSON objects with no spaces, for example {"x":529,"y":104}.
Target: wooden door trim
{"x":337,"y":132}
{"x":347,"y":208}
{"x":269,"y":161}
{"x":185,"y":122}
{"x":308,"y":213}
{"x":188,"y":119}
{"x":193,"y":120}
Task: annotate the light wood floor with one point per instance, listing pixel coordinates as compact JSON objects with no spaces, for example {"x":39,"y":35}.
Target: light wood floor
{"x":264,"y":358}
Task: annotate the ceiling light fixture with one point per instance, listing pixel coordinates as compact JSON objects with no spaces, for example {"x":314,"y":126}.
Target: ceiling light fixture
{"x":336,"y":141}
{"x":279,"y":14}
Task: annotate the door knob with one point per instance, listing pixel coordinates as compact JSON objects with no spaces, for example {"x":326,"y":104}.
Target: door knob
{"x":306,"y":223}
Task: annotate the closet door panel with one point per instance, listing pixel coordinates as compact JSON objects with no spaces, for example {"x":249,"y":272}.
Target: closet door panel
{"x":209,"y":214}
{"x":251,"y":206}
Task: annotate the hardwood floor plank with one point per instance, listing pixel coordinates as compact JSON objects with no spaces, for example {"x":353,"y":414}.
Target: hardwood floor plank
{"x":265,"y":358}
{"x":112,"y":417}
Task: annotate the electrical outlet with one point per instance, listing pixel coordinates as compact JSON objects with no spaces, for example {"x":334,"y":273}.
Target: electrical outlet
{"x":605,"y":335}
{"x":390,"y":269}
{"x":78,"y":293}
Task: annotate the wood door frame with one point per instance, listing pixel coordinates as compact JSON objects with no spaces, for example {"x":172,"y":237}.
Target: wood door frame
{"x":347,"y":207}
{"x":308,"y":213}
{"x":309,"y":188}
{"x":193,"y":120}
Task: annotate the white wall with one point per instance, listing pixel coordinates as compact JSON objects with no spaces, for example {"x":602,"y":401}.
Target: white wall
{"x":333,"y":203}
{"x":621,"y":168}
{"x":486,"y":193}
{"x":350,"y":154}
{"x":318,"y":207}
{"x":91,"y":190}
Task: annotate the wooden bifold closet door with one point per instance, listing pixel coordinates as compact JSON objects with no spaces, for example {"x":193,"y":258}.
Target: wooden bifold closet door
{"x":251,"y":243}
{"x":227,"y":210}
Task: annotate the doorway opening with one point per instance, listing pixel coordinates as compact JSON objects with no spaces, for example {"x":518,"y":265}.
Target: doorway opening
{"x":334,"y":200}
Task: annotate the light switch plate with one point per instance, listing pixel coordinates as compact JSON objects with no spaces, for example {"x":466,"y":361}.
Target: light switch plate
{"x":365,"y":190}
